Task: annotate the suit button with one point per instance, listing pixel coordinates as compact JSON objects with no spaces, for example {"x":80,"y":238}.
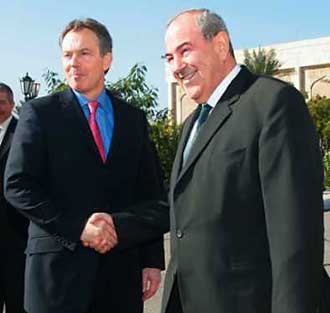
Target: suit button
{"x":179,"y":233}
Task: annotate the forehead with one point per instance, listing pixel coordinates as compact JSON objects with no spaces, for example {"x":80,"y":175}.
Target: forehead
{"x":183,"y":29}
{"x":4,"y":96}
{"x":78,"y":39}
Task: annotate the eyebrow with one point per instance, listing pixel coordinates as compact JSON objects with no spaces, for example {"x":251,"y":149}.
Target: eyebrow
{"x":164,"y":56}
{"x":81,"y":49}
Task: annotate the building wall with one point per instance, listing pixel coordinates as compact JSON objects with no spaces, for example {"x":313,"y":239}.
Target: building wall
{"x":303,"y":63}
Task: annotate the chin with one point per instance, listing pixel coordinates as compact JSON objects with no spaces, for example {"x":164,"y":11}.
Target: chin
{"x":76,"y":87}
{"x":193,"y":95}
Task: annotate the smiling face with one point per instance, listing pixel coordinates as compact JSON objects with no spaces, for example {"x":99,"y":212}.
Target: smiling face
{"x":83,"y":64}
{"x":198,"y":65}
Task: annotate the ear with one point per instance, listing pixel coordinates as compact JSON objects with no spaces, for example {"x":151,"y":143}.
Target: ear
{"x":221,"y":41}
{"x":107,"y":61}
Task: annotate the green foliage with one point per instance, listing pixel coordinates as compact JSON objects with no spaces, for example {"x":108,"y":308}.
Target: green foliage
{"x":53,"y":82}
{"x":326,"y":164}
{"x":134,"y":89}
{"x":165,"y":134}
{"x":262,"y":62}
{"x":163,"y":131}
{"x":319,"y":108}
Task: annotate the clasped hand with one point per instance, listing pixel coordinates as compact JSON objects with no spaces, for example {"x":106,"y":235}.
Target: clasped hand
{"x":99,"y":233}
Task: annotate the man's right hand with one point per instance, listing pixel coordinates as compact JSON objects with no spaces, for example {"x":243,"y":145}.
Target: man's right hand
{"x":99,"y":233}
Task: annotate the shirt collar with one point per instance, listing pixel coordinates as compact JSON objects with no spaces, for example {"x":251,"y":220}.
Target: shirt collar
{"x":4,"y":125}
{"x":101,"y":99}
{"x":222,"y":87}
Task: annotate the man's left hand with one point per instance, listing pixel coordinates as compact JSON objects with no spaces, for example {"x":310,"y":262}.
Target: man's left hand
{"x":99,"y":233}
{"x":151,"y":280}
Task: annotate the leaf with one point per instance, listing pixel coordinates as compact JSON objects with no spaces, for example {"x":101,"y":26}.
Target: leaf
{"x":261,"y":62}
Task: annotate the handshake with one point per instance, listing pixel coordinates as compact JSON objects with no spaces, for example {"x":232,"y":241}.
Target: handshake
{"x":99,"y":233}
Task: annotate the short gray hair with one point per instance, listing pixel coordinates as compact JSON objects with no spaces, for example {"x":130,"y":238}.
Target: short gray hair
{"x":209,"y":23}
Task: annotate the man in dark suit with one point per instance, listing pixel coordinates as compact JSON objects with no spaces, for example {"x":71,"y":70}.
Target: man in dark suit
{"x":246,"y":188}
{"x":13,"y":226}
{"x":75,"y":155}
{"x":246,"y":185}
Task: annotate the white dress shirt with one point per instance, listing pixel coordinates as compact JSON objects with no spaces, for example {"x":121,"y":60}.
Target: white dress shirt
{"x":212,"y":101}
{"x":3,"y":128}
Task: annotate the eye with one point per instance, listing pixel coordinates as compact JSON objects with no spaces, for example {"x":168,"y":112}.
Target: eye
{"x":66,"y":54}
{"x":185,"y":52}
{"x":169,"y":58}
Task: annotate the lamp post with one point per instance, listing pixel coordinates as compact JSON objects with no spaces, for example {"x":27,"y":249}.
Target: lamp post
{"x":29,"y":88}
{"x":325,"y":78}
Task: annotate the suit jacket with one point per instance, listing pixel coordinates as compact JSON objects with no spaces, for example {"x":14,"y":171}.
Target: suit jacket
{"x":55,"y":177}
{"x":12,"y":224}
{"x":246,"y":208}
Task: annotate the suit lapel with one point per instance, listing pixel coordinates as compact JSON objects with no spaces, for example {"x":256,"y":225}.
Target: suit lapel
{"x":5,"y":145}
{"x":220,"y":114}
{"x":182,"y":143}
{"x":119,"y":130}
{"x":73,"y":113}
{"x":218,"y":117}
{"x":75,"y":116}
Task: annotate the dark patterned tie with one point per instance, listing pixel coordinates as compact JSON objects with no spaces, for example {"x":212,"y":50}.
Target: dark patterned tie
{"x":202,"y":117}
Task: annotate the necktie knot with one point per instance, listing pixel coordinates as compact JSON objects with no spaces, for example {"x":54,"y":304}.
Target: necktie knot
{"x":93,"y":107}
{"x":203,"y":115}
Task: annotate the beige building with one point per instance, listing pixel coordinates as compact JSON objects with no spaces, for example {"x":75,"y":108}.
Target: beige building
{"x":305,"y":64}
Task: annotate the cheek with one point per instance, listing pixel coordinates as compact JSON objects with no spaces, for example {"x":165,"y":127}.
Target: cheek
{"x":66,"y":74}
{"x":66,"y":67}
{"x":206,"y":70}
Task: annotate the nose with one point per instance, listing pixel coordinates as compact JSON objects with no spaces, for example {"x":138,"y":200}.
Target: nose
{"x":177,"y":66}
{"x":74,"y":61}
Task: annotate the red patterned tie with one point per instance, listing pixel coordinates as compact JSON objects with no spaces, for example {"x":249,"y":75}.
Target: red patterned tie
{"x":95,"y":128}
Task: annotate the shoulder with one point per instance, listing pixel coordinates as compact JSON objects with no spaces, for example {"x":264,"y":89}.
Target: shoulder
{"x":51,"y":98}
{"x":13,"y":121}
{"x":48,"y":104}
{"x":273,"y":84}
{"x":125,"y":107}
{"x":266,"y":91}
{"x":267,"y":98}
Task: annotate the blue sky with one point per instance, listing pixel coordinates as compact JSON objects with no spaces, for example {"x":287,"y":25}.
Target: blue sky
{"x":29,"y":31}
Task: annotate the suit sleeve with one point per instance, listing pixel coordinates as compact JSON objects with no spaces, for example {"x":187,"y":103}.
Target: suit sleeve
{"x":291,"y":177}
{"x":26,"y":182}
{"x":146,"y":222}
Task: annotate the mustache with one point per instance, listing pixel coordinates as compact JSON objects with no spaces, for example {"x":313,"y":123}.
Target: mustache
{"x":185,"y":72}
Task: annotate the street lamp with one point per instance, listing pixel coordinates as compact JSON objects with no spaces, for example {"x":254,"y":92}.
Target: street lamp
{"x":325,"y":78}
{"x":29,"y":88}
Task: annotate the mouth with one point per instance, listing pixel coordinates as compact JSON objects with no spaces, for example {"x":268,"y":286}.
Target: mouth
{"x":76,"y":75}
{"x":185,"y":76}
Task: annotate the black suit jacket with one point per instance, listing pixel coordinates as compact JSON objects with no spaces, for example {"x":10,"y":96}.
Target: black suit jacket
{"x":55,"y":177}
{"x":13,"y":226}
